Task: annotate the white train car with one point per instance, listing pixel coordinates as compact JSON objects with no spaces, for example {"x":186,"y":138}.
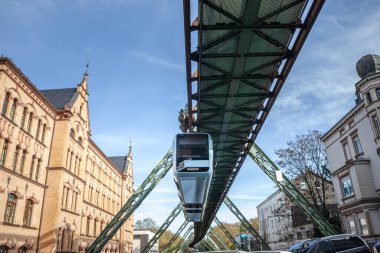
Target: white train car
{"x":193,"y":169}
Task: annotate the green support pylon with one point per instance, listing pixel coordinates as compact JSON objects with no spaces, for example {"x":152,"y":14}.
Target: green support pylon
{"x":291,"y":191}
{"x":246,"y":224}
{"x":218,"y":239}
{"x":133,"y":202}
{"x":212,"y":243}
{"x":225,"y":231}
{"x":175,"y":236}
{"x":163,"y":228}
{"x":185,"y":235}
{"x":186,"y":244}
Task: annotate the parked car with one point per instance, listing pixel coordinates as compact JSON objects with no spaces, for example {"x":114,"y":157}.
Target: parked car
{"x":376,"y":246}
{"x":302,"y":247}
{"x":346,"y":243}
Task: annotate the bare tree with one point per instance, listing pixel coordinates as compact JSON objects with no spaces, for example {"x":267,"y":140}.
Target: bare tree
{"x":147,"y":223}
{"x":305,"y":163}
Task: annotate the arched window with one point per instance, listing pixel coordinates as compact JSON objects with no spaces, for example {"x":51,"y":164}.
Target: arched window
{"x":5,"y":104}
{"x":32,"y":167}
{"x":29,"y":125}
{"x":22,"y":161}
{"x":10,"y":208}
{"x":13,"y":109}
{"x":15,"y":157}
{"x":88,"y":225}
{"x":4,"y":249}
{"x":63,"y":239}
{"x":95,"y":227}
{"x":38,"y":129}
{"x":72,"y":133}
{"x":43,"y":133}
{"x":4,"y":152}
{"x":23,"y":118}
{"x":22,"y":249}
{"x":80,"y":140}
{"x":369,"y":98}
{"x":28,"y":212}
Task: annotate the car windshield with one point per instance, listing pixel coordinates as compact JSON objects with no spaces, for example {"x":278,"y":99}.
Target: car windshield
{"x":296,"y":246}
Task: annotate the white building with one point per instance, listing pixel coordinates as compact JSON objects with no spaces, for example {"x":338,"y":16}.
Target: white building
{"x":141,"y":238}
{"x":353,"y":150}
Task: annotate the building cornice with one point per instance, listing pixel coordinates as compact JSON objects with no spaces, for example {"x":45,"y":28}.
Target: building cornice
{"x":13,"y":72}
{"x":68,"y":172}
{"x":375,"y":201}
{"x":349,"y":164}
{"x":22,"y":177}
{"x":364,"y":81}
{"x":344,"y":120}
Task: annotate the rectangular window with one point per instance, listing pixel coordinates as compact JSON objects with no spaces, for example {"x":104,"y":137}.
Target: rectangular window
{"x":347,"y":152}
{"x":347,"y":187}
{"x":357,"y":145}
{"x":352,"y":226}
{"x":364,"y":227}
{"x":376,"y":127}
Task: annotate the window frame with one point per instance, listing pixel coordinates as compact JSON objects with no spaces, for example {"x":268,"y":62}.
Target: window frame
{"x":10,"y":206}
{"x":342,"y":183}
{"x":28,"y":212}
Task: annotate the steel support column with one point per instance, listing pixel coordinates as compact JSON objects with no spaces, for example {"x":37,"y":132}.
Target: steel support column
{"x":246,"y":224}
{"x":223,"y":228}
{"x":291,"y":191}
{"x":163,"y":228}
{"x":218,"y":239}
{"x":175,"y":236}
{"x":210,"y":242}
{"x":186,"y":244}
{"x":185,"y":235}
{"x":133,"y":203}
{"x":214,"y":244}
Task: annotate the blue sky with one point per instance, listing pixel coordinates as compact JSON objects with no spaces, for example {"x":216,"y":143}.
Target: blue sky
{"x":137,"y":78}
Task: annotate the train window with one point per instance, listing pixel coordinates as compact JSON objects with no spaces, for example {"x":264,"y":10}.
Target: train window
{"x":192,"y":146}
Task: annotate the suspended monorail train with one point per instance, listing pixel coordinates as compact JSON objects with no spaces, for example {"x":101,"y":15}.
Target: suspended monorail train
{"x":193,"y":169}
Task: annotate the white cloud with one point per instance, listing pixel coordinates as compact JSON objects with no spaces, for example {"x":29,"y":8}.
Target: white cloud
{"x":158,"y":61}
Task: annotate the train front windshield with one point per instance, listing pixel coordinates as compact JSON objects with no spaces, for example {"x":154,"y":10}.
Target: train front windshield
{"x":192,"y":146}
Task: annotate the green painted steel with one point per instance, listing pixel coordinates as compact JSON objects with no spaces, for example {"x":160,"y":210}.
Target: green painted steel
{"x":175,"y":236}
{"x":212,"y":243}
{"x":217,"y":238}
{"x":185,"y":237}
{"x":163,"y":228}
{"x":223,"y":228}
{"x":291,"y":191}
{"x":186,"y":244}
{"x":133,"y":203}
{"x":246,"y":224}
{"x":244,"y":53}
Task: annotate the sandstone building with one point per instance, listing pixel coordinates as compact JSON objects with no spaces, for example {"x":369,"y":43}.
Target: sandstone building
{"x":353,"y":151}
{"x":58,"y":190}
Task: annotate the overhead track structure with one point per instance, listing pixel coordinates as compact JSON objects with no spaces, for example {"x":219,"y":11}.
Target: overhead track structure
{"x":245,"y":52}
{"x":291,"y":191}
{"x":133,"y":203}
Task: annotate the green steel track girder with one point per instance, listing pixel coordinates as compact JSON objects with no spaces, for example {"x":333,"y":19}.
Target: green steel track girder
{"x":291,"y":191}
{"x":218,"y":239}
{"x":175,"y":236}
{"x":163,"y":228}
{"x":185,"y":237}
{"x":223,"y":228}
{"x":246,"y":224}
{"x":133,"y":203}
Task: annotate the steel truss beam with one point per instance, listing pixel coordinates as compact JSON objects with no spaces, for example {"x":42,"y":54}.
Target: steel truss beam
{"x":186,"y":244}
{"x":212,"y":243}
{"x":218,"y":239}
{"x":175,"y":236}
{"x":229,"y":236}
{"x":246,"y":224}
{"x":185,"y":237}
{"x":133,"y":203}
{"x":163,"y":228}
{"x":291,"y":191}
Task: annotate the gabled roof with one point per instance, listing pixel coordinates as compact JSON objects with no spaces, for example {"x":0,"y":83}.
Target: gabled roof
{"x":119,"y":161}
{"x":60,"y":97}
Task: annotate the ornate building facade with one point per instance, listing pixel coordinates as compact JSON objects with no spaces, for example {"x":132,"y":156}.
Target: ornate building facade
{"x":58,"y":190}
{"x":353,"y":151}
